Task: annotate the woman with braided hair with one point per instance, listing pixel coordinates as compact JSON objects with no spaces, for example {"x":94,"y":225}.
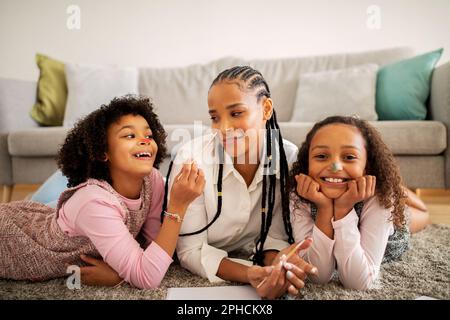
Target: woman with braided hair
{"x":244,"y":204}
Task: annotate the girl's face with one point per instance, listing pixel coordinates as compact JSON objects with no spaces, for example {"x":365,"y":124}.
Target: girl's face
{"x":239,"y":118}
{"x":131,"y":148}
{"x":337,"y":154}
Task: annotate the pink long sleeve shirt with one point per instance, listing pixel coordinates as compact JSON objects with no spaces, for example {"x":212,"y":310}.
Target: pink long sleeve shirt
{"x":356,"y":251}
{"x":92,"y":212}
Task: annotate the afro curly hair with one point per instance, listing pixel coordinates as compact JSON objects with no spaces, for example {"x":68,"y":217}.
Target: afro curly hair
{"x":380,"y":163}
{"x":81,"y":156}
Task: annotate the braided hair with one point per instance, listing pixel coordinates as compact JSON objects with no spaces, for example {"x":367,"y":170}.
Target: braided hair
{"x":248,"y":78}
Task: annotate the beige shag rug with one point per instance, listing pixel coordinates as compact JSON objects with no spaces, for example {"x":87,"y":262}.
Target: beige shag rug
{"x":423,"y":271}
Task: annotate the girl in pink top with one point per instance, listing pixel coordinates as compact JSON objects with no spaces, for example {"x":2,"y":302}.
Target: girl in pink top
{"x":113,"y":208}
{"x":346,"y":193}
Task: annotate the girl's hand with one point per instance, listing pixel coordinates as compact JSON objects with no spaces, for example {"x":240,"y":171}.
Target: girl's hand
{"x":99,"y":273}
{"x":310,"y":190}
{"x":187,"y":186}
{"x":358,"y":190}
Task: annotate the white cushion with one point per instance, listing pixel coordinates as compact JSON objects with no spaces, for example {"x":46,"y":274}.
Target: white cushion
{"x":90,"y":86}
{"x":342,"y":92}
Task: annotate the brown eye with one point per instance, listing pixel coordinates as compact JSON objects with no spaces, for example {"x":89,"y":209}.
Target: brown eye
{"x":320,"y":156}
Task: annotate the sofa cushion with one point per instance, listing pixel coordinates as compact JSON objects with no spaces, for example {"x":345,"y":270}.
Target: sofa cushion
{"x":402,"y":137}
{"x":39,"y":142}
{"x":180,"y":94}
{"x":52,"y":92}
{"x":403,"y":87}
{"x":343,"y":92}
{"x":46,"y":141}
{"x":91,"y":86}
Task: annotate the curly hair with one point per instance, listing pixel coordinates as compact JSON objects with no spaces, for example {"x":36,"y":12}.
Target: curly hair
{"x":380,"y":163}
{"x":82,"y":155}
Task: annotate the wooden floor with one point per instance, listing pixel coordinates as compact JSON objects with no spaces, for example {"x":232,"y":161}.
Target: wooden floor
{"x":437,"y":200}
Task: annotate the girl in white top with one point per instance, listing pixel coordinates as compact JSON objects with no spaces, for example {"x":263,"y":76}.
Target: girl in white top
{"x":346,"y":193}
{"x":244,"y":201}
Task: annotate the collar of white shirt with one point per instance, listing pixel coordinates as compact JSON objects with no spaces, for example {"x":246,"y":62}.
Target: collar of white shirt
{"x":228,"y":167}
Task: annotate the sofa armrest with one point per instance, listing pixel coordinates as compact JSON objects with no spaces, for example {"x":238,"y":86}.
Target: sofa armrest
{"x":5,"y":161}
{"x":17,"y":97}
{"x":440,"y":107}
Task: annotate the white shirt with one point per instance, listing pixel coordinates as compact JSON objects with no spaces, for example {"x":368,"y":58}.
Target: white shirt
{"x":239,"y":223}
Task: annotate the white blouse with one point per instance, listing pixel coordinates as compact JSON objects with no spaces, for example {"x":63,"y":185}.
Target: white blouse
{"x":239,"y":224}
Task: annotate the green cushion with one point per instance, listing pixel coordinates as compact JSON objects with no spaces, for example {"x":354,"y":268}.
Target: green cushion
{"x":403,"y":87}
{"x":51,"y":93}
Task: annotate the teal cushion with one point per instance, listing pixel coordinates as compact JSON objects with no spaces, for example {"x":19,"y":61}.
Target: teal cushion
{"x":403,"y":87}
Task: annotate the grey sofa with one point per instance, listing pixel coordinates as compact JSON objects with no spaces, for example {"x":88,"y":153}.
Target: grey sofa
{"x":27,"y":151}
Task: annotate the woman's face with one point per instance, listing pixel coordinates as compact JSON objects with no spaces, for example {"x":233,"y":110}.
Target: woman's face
{"x":239,"y":118}
{"x":337,"y":154}
{"x":131,"y":148}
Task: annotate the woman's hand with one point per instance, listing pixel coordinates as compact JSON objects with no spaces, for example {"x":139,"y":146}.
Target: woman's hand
{"x":99,"y":273}
{"x":187,"y":186}
{"x":310,"y":190}
{"x":296,"y":268}
{"x":358,"y":190}
{"x":274,"y":280}
{"x":285,"y":274}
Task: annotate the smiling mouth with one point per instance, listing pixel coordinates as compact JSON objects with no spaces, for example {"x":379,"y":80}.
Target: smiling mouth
{"x":143,"y":155}
{"x":334,"y":180}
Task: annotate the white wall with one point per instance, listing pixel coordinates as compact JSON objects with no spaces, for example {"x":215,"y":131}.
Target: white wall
{"x":164,"y":33}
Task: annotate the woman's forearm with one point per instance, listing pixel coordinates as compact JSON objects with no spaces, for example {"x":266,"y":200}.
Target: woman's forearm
{"x":232,"y":271}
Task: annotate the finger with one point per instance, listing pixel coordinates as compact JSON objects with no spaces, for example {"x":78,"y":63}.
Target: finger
{"x":374,"y":186}
{"x":300,"y":183}
{"x":90,"y":260}
{"x":361,"y":182}
{"x":200,"y":176}
{"x":193,"y":173}
{"x":313,"y":188}
{"x":306,"y":184}
{"x":305,"y":244}
{"x":369,"y":183}
{"x":200,"y":181}
{"x":184,"y":172}
{"x":273,"y":278}
{"x":294,"y":280}
{"x":352,"y":188}
{"x":291,"y":267}
{"x":309,"y":268}
{"x":292,"y":290}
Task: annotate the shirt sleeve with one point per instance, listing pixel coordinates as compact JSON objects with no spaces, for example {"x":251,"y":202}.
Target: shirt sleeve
{"x":152,"y":224}
{"x":320,"y":254}
{"x":359,"y":251}
{"x":194,"y":252}
{"x":102,"y":223}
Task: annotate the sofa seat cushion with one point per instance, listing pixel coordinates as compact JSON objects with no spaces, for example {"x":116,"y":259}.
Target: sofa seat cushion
{"x":46,"y":141}
{"x":403,"y":137}
{"x":38,"y":142}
